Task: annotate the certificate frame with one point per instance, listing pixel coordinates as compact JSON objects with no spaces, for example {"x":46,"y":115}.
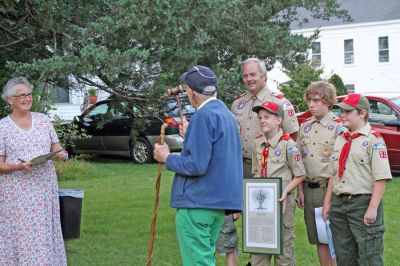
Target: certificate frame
{"x":262,"y":216}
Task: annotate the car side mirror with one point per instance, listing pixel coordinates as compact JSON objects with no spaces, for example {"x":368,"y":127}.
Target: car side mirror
{"x":392,"y":123}
{"x":77,"y":119}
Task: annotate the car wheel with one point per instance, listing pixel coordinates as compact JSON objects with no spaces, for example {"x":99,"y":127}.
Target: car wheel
{"x":141,"y":151}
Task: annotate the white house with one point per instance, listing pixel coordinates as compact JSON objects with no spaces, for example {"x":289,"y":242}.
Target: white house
{"x":365,"y":52}
{"x":69,"y":102}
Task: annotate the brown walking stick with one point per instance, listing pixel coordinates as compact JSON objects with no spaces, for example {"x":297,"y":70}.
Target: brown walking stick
{"x":174,"y":91}
{"x":154,"y":220}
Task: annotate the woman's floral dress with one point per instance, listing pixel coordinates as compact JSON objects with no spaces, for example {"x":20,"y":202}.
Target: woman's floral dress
{"x":30,"y":229}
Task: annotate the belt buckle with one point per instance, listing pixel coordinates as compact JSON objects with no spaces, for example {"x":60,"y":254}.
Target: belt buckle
{"x":313,"y":184}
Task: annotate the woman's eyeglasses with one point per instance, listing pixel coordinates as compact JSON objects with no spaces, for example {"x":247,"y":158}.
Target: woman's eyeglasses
{"x":24,"y":96}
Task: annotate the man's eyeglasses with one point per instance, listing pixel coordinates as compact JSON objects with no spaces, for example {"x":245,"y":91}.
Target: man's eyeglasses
{"x":24,"y":96}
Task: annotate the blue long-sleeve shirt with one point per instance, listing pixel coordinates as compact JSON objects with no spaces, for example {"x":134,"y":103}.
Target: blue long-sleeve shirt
{"x":209,"y":170}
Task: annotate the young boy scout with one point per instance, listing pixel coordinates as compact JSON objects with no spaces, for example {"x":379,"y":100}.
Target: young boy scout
{"x":360,"y":170}
{"x":316,"y":139}
{"x":254,"y":76}
{"x":275,"y":154}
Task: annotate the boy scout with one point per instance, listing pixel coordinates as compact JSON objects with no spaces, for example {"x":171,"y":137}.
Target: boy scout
{"x":254,"y":75}
{"x":360,"y":170}
{"x":316,"y":139}
{"x":276,"y":154}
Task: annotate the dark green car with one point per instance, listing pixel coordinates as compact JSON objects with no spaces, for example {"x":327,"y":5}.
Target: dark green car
{"x":111,"y":123}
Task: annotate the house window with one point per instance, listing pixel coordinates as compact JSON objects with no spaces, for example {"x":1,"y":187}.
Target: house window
{"x":316,"y":54}
{"x":59,"y":95}
{"x":348,"y":52}
{"x":349,"y":88}
{"x":383,"y":49}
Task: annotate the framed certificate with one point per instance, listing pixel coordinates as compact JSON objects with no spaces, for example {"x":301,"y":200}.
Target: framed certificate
{"x":262,"y":216}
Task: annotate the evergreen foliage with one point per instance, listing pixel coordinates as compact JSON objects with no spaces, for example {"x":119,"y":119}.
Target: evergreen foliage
{"x":139,"y":48}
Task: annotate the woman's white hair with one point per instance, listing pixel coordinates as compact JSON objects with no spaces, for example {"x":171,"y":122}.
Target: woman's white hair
{"x":9,"y":88}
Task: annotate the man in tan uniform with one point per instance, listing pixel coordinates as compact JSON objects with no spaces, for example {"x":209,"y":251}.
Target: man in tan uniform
{"x":254,"y":75}
{"x":360,"y":170}
{"x":316,"y":139}
{"x":275,"y":154}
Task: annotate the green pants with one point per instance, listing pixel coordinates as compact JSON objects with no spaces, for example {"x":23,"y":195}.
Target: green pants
{"x":197,"y":231}
{"x":356,"y":244}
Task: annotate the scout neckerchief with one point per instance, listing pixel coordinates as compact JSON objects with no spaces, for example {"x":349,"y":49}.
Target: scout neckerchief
{"x":345,"y":151}
{"x":264,"y":157}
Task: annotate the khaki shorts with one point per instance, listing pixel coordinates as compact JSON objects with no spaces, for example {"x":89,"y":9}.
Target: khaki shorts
{"x":313,"y":198}
{"x":228,"y":240}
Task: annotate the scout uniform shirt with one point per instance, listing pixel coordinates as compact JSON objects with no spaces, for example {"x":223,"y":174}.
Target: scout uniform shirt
{"x":248,"y":120}
{"x":316,"y":141}
{"x":284,"y":159}
{"x":366,"y":163}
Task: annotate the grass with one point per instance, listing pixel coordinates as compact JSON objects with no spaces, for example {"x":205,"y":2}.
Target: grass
{"x":118,"y":207}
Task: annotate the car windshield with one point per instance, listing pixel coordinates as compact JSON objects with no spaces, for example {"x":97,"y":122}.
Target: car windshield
{"x":172,"y":109}
{"x":396,"y":101}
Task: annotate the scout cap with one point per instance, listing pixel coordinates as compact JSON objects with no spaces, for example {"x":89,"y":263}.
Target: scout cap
{"x":201,"y":79}
{"x":354,"y":101}
{"x":270,"y":107}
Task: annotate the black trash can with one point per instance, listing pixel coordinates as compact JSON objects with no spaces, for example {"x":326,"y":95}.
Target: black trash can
{"x":70,"y":212}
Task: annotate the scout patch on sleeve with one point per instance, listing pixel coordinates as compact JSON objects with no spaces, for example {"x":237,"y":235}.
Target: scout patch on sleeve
{"x":291,"y":112}
{"x":287,"y":105}
{"x":383,"y":154}
{"x":340,"y":129}
{"x":293,"y":149}
{"x":379,"y":146}
{"x":297,"y":157}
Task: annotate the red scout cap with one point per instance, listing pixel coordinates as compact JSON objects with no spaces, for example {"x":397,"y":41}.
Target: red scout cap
{"x":270,"y":107}
{"x":354,"y":101}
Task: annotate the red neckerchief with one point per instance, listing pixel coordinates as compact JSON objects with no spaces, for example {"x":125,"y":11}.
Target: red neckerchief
{"x":264,"y":159}
{"x":345,"y":151}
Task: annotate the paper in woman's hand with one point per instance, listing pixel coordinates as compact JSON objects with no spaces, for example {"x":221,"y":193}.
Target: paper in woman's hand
{"x":44,"y":158}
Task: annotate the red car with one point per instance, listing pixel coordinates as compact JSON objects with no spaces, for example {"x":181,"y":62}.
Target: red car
{"x":384,"y":117}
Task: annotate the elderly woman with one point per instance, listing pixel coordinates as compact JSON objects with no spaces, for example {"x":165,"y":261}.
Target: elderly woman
{"x":30,"y":230}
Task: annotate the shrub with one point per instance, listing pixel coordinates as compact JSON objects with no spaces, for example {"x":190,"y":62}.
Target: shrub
{"x":67,"y":132}
{"x":91,"y":92}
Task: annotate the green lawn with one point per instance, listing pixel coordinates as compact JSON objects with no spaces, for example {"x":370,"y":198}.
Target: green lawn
{"x":118,"y":207}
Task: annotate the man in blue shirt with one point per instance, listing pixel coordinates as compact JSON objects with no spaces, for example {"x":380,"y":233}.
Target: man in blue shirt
{"x":208,"y":180}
